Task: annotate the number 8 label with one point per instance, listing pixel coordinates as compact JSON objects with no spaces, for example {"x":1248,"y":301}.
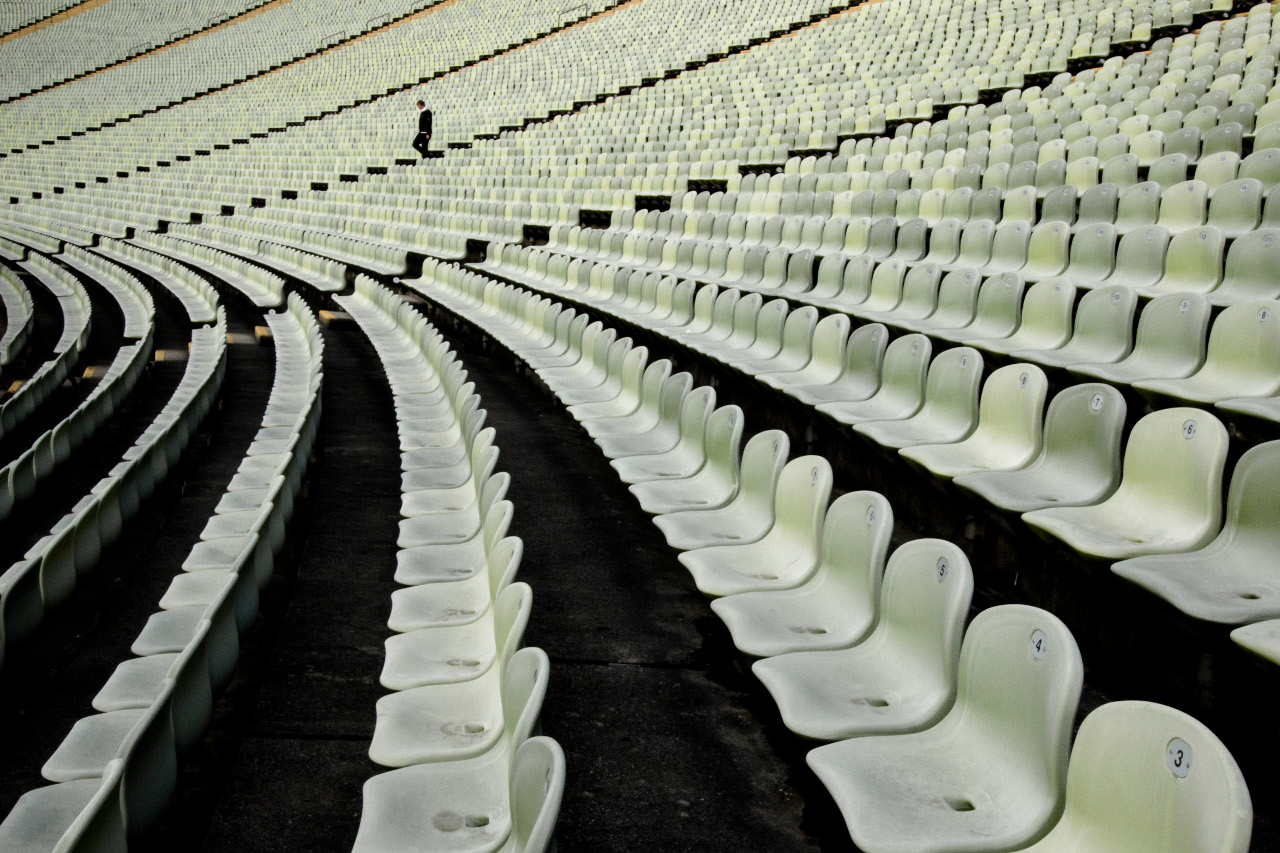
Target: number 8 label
{"x":1178,"y":757}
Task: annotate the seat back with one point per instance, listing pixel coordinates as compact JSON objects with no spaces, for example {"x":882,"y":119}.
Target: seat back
{"x":502,"y":562}
{"x":957,"y":300}
{"x":510,"y":617}
{"x":1046,"y":312}
{"x":1019,"y":683}
{"x":1173,"y":465}
{"x":1253,"y":498}
{"x":1083,"y":428}
{"x":952,"y":389}
{"x":1193,"y":262}
{"x":100,"y":826}
{"x":1093,"y":252}
{"x":1250,"y":267}
{"x":906,"y":361}
{"x":1245,"y":341}
{"x":763,"y":459}
{"x":800,"y":503}
{"x":722,"y":441}
{"x":524,"y":685}
{"x":537,"y":786}
{"x":150,"y":766}
{"x":1148,"y":777}
{"x":1173,"y":330}
{"x":999,"y":306}
{"x":1010,"y":412}
{"x":928,"y":586}
{"x":855,"y":540}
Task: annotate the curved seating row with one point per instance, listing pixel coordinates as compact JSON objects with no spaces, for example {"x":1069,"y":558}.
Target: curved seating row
{"x":197,"y":296}
{"x":467,"y":698}
{"x":115,"y":771}
{"x":19,"y":315}
{"x":51,"y":569}
{"x":260,"y":286}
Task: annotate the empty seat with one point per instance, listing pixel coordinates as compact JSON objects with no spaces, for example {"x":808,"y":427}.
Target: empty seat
{"x":950,"y":409}
{"x":714,"y":483}
{"x":1144,"y":776}
{"x":1008,"y":435}
{"x":489,"y":803}
{"x":1079,"y":462}
{"x":748,"y":515}
{"x":1241,"y":359}
{"x":902,"y":677}
{"x":991,"y":774}
{"x":1231,"y":580}
{"x":1169,"y":498}
{"x":1169,"y":344}
{"x":834,"y":608}
{"x":787,"y":554}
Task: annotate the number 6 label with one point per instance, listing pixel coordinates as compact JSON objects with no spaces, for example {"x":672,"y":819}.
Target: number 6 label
{"x":1178,"y":757}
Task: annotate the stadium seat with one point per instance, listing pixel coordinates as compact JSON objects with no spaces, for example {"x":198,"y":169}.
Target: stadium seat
{"x":1146,"y":776}
{"x":1169,"y":498}
{"x":902,"y":676}
{"x":991,"y":774}
{"x":838,"y":605}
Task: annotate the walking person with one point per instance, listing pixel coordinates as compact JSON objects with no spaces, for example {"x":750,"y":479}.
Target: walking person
{"x":422,"y":141}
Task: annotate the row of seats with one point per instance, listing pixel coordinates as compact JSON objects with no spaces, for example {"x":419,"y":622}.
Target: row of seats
{"x":19,"y":315}
{"x":1062,"y":469}
{"x":116,"y":770}
{"x":1174,"y":353}
{"x":50,"y":571}
{"x":458,"y":727}
{"x":871,"y":655}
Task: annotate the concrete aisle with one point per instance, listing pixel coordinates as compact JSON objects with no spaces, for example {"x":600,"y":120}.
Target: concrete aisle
{"x":295,"y":765}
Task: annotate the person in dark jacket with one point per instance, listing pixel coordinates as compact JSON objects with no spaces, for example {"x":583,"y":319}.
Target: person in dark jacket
{"x":422,"y":141}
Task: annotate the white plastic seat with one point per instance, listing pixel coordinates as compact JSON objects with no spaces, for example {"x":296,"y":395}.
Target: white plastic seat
{"x":454,"y":653}
{"x":1241,"y":359}
{"x":902,"y":676}
{"x":454,"y":561}
{"x":834,"y":608}
{"x":1169,"y":343}
{"x":659,"y":430}
{"x":1229,"y":581}
{"x":1143,"y":777}
{"x":715,"y":482}
{"x":1008,"y":434}
{"x":991,"y":774}
{"x":950,"y":408}
{"x":787,"y":554}
{"x":1103,"y":331}
{"x":859,"y":374}
{"x":749,"y":514}
{"x":1045,"y":321}
{"x":686,"y":456}
{"x":1170,"y":494}
{"x":84,"y":814}
{"x":502,"y":803}
{"x":901,"y":391}
{"x":1079,"y":460}
{"x":461,"y":601}
{"x":454,"y":722}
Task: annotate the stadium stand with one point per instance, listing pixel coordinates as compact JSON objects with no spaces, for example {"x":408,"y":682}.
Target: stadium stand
{"x":937,"y":340}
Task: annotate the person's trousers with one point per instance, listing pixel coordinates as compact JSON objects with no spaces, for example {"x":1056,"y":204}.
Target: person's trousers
{"x":421,"y":143}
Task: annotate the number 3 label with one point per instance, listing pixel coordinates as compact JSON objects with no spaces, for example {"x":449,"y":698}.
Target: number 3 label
{"x":1178,"y":757}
